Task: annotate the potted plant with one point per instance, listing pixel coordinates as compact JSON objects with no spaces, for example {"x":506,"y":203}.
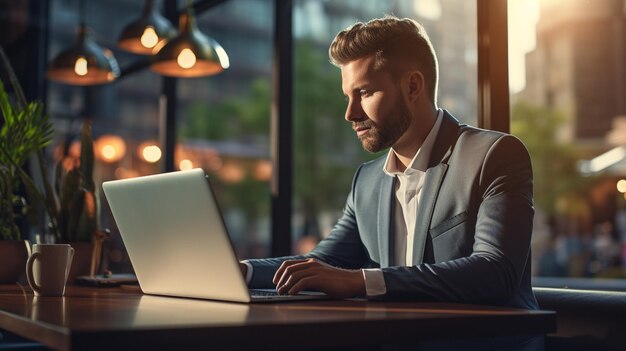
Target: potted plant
{"x":25,"y":131}
{"x":71,"y":205}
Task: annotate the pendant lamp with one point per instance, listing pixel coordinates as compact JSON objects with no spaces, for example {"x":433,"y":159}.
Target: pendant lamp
{"x":146,"y":32}
{"x":191,"y":53}
{"x":85,"y":63}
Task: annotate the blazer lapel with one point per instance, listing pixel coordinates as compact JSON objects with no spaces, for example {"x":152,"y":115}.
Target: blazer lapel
{"x":446,"y":138}
{"x":385,"y":220}
{"x":430,"y":190}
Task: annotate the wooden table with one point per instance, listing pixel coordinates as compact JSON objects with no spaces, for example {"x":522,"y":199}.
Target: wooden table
{"x":117,"y":319}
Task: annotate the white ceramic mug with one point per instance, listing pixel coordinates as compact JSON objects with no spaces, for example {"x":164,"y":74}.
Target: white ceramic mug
{"x":48,"y":267}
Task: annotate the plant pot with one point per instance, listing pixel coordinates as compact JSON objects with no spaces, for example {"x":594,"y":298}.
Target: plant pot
{"x":13,"y":256}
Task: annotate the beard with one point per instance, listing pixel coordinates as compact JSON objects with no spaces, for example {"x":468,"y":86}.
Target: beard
{"x":388,"y":130}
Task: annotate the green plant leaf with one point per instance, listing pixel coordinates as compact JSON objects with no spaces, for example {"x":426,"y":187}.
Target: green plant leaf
{"x":26,"y":130}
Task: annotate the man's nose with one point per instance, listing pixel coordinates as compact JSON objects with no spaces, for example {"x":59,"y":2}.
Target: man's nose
{"x":354,"y":112}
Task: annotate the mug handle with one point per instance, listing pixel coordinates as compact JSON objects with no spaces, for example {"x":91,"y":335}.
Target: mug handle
{"x":29,"y":271}
{"x":69,"y":263}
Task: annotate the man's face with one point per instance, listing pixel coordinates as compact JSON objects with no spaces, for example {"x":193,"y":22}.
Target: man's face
{"x":376,"y":108}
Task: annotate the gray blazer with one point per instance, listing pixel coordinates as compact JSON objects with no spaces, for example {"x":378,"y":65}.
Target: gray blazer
{"x":473,"y":228}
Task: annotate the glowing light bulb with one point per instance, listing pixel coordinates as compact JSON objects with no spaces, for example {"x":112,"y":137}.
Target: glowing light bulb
{"x":109,"y":148}
{"x":80,"y":66}
{"x":149,"y":38}
{"x":621,"y":186}
{"x":185,"y":165}
{"x":109,"y":152}
{"x":151,"y":153}
{"x":186,"y":58}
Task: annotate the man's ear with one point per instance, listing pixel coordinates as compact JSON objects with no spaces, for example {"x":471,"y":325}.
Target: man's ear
{"x":416,"y":85}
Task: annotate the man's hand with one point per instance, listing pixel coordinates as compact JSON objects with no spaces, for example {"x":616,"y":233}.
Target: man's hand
{"x":297,"y":275}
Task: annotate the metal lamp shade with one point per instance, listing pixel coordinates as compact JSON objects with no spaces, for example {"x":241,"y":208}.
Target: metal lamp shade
{"x":204,"y":56}
{"x":85,"y":63}
{"x":143,"y":34}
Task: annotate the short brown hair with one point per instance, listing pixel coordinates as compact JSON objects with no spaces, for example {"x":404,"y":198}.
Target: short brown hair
{"x":399,"y":45}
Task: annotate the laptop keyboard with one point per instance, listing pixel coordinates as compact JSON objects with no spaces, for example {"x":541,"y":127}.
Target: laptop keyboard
{"x":256,"y":292}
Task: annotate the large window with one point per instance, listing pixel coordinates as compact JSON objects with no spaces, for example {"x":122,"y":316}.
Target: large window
{"x":327,"y":152}
{"x":224,"y":121}
{"x":568,"y":107}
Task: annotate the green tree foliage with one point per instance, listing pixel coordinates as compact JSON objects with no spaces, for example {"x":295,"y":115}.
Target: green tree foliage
{"x":554,"y":162}
{"x":234,"y":118}
{"x":327,"y":150}
{"x":242,"y":119}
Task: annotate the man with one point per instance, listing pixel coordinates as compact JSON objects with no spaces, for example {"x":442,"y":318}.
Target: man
{"x":445,"y":215}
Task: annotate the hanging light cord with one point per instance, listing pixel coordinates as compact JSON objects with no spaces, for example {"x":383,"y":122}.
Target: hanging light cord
{"x":81,"y":14}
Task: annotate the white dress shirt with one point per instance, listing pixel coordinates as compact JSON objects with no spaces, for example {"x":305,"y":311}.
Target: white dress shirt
{"x":408,"y":189}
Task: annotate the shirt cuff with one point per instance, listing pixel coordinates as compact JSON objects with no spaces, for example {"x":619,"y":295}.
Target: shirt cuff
{"x":248,"y":271}
{"x":374,"y":282}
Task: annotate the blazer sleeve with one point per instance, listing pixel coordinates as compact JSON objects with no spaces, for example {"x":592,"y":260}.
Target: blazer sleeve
{"x":493,"y":271}
{"x":341,"y":248}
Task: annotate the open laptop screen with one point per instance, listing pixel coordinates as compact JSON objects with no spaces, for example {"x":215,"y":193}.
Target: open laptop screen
{"x":175,"y":236}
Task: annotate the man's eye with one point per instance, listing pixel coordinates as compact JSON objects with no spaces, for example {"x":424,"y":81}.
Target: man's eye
{"x":364,"y":92}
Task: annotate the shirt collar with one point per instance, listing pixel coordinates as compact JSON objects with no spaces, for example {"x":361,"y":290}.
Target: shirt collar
{"x":422,"y":156}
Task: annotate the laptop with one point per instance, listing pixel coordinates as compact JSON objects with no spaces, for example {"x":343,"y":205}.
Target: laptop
{"x":177,"y":241}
